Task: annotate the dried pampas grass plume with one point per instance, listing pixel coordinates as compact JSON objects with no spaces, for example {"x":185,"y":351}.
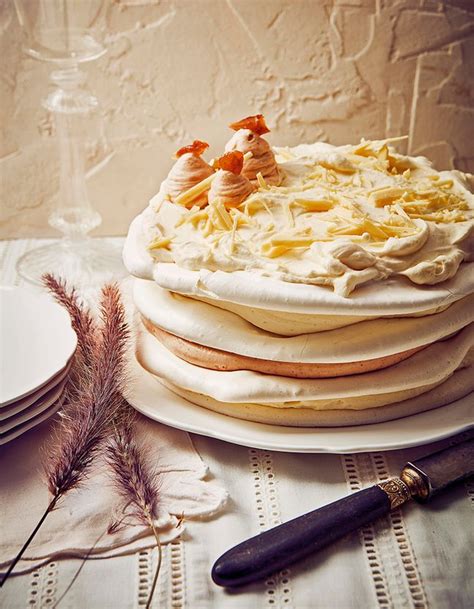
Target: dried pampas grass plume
{"x":81,"y":319}
{"x":87,"y":421}
{"x":83,"y":325}
{"x":94,"y":413}
{"x":136,"y":484}
{"x":93,"y":401}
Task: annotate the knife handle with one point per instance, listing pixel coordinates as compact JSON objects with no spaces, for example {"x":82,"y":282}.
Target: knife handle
{"x":287,"y":543}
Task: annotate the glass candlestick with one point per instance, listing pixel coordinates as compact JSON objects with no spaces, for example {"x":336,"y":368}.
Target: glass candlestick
{"x":61,"y":32}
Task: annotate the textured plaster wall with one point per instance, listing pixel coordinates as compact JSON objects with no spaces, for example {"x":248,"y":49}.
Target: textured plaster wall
{"x":335,"y":70}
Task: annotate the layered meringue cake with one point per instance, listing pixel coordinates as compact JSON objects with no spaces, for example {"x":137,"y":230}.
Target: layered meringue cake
{"x":317,"y":285}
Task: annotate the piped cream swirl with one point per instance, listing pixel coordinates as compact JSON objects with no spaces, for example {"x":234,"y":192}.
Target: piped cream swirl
{"x":188,"y":171}
{"x":262,"y":159}
{"x":230,"y":188}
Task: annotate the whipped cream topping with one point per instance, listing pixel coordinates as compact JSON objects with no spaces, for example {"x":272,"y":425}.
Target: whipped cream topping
{"x":262,"y":159}
{"x":206,"y":325}
{"x":418,"y":373}
{"x":188,"y":171}
{"x":298,"y":306}
{"x":342,"y":217}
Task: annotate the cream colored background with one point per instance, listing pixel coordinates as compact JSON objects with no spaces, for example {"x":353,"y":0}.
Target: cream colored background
{"x":181,"y":69}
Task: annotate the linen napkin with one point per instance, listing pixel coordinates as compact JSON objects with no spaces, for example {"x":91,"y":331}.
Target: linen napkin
{"x":78,"y":527}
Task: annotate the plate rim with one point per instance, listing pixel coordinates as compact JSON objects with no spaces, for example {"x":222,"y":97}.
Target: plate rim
{"x":67,"y":335}
{"x":18,"y":431}
{"x":34,"y":410}
{"x":141,"y":376}
{"x":30,"y":400}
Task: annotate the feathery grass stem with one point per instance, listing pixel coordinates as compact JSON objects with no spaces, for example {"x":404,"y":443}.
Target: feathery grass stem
{"x":13,"y":564}
{"x":135,"y":482}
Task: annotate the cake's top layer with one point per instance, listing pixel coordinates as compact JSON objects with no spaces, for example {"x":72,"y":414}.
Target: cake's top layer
{"x":339,"y":217}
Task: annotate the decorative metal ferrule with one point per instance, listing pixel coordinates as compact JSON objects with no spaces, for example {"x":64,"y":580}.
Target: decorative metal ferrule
{"x":417,"y":482}
{"x":397,"y":491}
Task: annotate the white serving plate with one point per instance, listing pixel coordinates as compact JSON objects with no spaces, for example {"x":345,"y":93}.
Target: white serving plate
{"x":21,"y":429}
{"x":42,"y":404}
{"x":32,"y":399}
{"x":37,"y":342}
{"x":155,"y":401}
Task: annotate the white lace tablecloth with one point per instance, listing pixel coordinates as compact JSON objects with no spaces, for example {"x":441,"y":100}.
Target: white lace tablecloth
{"x":416,"y":557}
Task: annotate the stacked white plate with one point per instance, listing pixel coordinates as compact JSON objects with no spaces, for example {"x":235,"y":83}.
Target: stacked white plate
{"x":37,"y":344}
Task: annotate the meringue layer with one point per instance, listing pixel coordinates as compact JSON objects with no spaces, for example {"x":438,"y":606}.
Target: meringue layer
{"x":421,"y":372}
{"x":458,"y":386}
{"x":210,"y":326}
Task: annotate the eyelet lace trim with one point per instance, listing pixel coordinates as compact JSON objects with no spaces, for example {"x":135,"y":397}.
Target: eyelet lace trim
{"x":170,"y":590}
{"x":367,"y":535}
{"x":178,"y":588}
{"x":43,"y":583}
{"x":278,"y":585}
{"x":144,"y":577}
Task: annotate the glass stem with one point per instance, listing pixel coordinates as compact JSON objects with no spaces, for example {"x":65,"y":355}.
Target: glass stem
{"x":71,"y":106}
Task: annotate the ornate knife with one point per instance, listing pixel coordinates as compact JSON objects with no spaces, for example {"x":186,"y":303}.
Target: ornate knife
{"x":287,"y":543}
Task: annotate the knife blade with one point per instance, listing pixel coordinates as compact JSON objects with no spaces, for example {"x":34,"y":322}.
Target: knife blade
{"x":287,"y":543}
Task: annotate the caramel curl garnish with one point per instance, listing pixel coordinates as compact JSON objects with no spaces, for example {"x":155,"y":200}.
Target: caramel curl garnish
{"x":230,"y":161}
{"x":255,"y":123}
{"x":196,"y":148}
